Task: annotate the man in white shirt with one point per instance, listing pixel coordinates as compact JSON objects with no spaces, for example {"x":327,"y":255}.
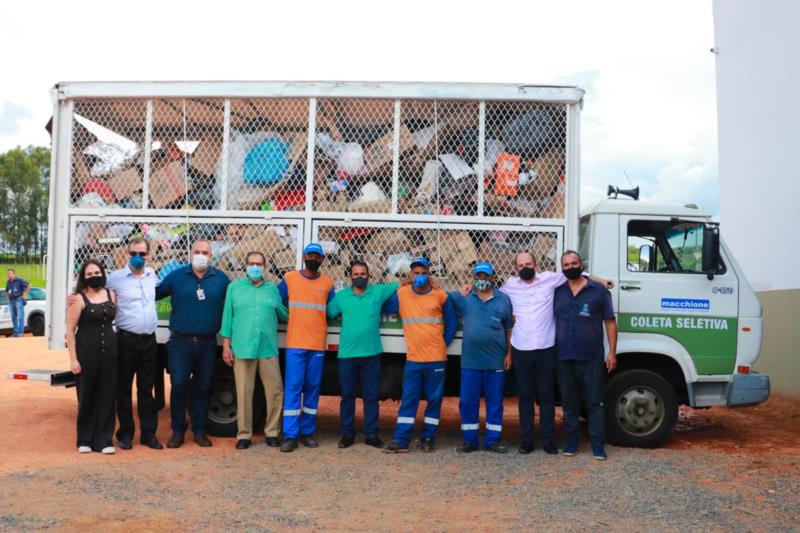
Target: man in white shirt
{"x":533,"y":352}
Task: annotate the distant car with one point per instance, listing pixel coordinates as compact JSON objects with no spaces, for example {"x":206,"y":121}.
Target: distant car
{"x":35,"y":309}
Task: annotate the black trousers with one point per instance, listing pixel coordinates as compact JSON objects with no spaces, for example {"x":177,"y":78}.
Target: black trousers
{"x":536,"y":378}
{"x":138,"y":354}
{"x":96,"y":387}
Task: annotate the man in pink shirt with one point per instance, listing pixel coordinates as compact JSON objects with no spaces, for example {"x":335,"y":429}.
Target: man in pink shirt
{"x":533,"y":351}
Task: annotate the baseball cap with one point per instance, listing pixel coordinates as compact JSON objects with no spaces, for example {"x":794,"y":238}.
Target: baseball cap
{"x":421,"y":261}
{"x":313,"y":248}
{"x":484,"y":267}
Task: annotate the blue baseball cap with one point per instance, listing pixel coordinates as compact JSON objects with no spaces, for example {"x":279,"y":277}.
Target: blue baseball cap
{"x":421,"y":261}
{"x":483,"y":267}
{"x":313,"y":248}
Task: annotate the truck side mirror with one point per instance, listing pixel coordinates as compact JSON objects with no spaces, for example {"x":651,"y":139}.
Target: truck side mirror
{"x":645,"y":253}
{"x":710,"y":250}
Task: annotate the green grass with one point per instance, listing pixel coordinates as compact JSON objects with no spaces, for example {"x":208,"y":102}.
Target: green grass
{"x":33,"y":273}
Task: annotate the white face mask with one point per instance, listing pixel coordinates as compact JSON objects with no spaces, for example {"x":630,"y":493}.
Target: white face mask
{"x":200,"y":262}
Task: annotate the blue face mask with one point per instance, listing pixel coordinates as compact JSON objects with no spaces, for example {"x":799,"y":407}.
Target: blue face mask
{"x":421,"y":281}
{"x":482,"y":284}
{"x":255,"y":272}
{"x":136,"y":262}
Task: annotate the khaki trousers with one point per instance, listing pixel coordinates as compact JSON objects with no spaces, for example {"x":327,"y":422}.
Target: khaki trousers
{"x":269,"y":370}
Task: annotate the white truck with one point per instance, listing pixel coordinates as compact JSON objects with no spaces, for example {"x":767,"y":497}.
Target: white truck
{"x":385,"y":172}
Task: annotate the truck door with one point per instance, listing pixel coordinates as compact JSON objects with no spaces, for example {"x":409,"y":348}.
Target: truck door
{"x":663,"y":290}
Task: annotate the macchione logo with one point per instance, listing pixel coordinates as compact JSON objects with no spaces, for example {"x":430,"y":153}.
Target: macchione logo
{"x":685,"y":304}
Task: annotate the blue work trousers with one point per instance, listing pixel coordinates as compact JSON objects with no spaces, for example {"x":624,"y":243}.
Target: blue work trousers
{"x":362,"y":373}
{"x":419,"y":378}
{"x":301,"y":393}
{"x":583,"y":379}
{"x":489,"y":384}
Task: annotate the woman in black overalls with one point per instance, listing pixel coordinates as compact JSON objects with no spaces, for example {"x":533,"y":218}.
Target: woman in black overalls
{"x":93,"y":358}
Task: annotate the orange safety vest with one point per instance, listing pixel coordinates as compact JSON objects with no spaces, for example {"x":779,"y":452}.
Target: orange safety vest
{"x":308,"y":299}
{"x":423,"y":324}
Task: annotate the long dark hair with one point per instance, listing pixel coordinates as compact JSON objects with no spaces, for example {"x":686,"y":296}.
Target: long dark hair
{"x":81,"y":285}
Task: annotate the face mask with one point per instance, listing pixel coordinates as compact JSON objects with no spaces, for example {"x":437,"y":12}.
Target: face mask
{"x":255,"y":272}
{"x":482,"y":284}
{"x":360,"y":283}
{"x":527,"y":273}
{"x":96,"y":282}
{"x":136,"y":262}
{"x":312,"y":264}
{"x":573,"y":273}
{"x":421,"y":281}
{"x":200,"y":262}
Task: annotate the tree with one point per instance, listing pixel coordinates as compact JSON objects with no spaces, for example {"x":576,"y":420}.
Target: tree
{"x":24,"y":190}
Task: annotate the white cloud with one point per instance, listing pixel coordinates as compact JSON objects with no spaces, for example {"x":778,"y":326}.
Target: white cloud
{"x":650,"y":104}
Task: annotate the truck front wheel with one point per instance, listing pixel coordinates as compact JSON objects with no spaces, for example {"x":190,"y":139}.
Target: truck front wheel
{"x":641,"y":409}
{"x":36,"y":325}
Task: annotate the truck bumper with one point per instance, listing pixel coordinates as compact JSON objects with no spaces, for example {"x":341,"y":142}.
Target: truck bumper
{"x":748,"y":389}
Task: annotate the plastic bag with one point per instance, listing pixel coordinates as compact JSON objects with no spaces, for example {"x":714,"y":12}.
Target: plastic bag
{"x":111,"y":158}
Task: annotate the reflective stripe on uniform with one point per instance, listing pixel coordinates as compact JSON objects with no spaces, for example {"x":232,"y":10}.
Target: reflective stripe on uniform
{"x":309,"y":411}
{"x":291,"y":412}
{"x":422,"y":320}
{"x":468,"y":427}
{"x":432,"y":421}
{"x":307,"y":305}
{"x":405,"y":419}
{"x":494,"y":427}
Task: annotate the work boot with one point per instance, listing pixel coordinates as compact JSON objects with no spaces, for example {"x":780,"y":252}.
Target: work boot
{"x":466,"y":448}
{"x":497,"y":447}
{"x":308,"y":441}
{"x":396,"y":447}
{"x":175,"y":441}
{"x":289,"y":445}
{"x":427,"y":445}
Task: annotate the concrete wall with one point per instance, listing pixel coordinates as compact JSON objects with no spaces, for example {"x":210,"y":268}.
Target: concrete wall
{"x":758,"y":107}
{"x":779,"y":355}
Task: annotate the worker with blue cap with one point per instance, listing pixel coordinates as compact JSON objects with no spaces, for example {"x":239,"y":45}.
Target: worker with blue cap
{"x":306,"y":293}
{"x":487,"y":320}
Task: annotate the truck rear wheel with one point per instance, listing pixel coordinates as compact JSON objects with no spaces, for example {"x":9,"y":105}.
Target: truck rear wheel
{"x":641,"y":409}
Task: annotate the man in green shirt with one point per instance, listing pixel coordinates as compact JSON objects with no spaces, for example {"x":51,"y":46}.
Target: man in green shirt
{"x":250,"y":344}
{"x":360,"y":350}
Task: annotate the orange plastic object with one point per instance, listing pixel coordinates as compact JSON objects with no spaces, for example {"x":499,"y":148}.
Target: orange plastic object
{"x":506,"y":174}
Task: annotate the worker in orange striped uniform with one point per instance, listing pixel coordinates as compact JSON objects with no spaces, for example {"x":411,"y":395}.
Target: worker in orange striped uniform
{"x":306,"y":293}
{"x":429,"y":325}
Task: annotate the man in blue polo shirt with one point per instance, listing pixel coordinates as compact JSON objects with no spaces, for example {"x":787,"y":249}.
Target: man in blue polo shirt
{"x":581,"y":307}
{"x":487,"y":320}
{"x":16,"y":292}
{"x":197,"y":296}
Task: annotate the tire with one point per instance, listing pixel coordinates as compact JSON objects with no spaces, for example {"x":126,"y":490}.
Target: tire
{"x":641,"y":409}
{"x":222,"y":419}
{"x":36,"y":325}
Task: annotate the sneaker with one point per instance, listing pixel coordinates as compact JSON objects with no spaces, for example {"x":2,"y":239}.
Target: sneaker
{"x":375,"y":442}
{"x":549,"y":448}
{"x":497,"y":447}
{"x":109,"y":450}
{"x":466,"y":448}
{"x":396,"y":447}
{"x":84,"y":449}
{"x":289,"y":445}
{"x":570,"y":449}
{"x":598,"y":452}
{"x":427,"y":445}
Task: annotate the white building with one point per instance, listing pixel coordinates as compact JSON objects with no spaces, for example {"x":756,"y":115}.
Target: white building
{"x":757,"y":45}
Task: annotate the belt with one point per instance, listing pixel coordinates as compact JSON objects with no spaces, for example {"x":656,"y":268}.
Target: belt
{"x":195,"y":338}
{"x":132,"y":334}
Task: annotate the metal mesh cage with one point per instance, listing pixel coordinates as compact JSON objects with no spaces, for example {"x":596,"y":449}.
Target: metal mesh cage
{"x":389,"y":251}
{"x":107,"y":242}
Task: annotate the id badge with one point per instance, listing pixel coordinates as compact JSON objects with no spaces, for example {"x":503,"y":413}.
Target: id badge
{"x":201,"y":295}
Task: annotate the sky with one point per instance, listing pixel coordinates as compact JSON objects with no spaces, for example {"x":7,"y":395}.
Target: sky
{"x":649,"y":111}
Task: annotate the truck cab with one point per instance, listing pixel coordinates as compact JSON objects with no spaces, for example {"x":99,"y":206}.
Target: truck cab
{"x":689,"y":323}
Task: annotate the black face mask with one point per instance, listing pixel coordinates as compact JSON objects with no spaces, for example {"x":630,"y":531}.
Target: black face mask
{"x":573,"y":273}
{"x":360,"y":283}
{"x":527,"y":273}
{"x":312,"y":264}
{"x":96,"y":282}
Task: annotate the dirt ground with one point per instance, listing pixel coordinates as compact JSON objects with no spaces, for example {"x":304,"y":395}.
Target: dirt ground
{"x":723,"y":469}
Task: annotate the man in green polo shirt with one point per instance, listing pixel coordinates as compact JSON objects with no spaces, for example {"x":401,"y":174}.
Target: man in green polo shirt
{"x":360,"y":350}
{"x":250,"y":344}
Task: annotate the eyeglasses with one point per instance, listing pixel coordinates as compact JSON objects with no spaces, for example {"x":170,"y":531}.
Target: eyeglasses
{"x":140,"y":254}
